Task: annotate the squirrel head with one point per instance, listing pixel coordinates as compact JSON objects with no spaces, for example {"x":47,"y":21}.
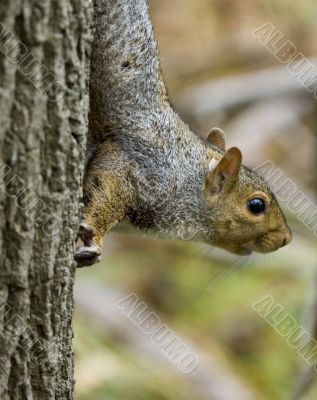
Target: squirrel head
{"x":246,"y":216}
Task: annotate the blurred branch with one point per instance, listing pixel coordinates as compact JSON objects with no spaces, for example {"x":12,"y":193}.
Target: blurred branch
{"x":258,"y":123}
{"x":238,"y":90}
{"x":211,"y":380}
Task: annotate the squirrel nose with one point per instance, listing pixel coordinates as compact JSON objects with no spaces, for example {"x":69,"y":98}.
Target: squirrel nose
{"x":287,"y":238}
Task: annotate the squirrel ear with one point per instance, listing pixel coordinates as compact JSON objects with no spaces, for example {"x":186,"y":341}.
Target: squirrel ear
{"x":226,"y":172}
{"x":217,"y":138}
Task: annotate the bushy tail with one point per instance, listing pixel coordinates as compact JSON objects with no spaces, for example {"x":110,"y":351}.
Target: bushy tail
{"x":125,"y":76}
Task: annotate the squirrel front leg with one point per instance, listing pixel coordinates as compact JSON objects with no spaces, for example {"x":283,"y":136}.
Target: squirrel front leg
{"x":107,"y":199}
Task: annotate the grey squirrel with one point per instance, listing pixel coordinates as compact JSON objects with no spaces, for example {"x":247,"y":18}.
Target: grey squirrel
{"x":144,"y":164}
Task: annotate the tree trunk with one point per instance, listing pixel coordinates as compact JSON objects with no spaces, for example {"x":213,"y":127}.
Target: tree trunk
{"x":44,"y":46}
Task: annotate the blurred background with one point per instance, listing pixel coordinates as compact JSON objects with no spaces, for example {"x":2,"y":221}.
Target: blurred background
{"x":217,"y":74}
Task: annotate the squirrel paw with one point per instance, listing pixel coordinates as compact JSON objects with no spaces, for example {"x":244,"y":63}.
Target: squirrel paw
{"x":86,"y":256}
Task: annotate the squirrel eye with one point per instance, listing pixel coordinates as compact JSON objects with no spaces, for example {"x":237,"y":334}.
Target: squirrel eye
{"x":257,"y":205}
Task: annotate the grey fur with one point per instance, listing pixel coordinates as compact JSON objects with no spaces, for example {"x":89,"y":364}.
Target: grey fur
{"x":132,"y":109}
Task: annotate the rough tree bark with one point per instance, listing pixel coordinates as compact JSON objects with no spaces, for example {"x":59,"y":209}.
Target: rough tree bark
{"x":43,"y":121}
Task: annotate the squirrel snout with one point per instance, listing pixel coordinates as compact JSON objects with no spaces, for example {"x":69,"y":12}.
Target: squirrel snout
{"x":274,"y":240}
{"x":288,"y":236}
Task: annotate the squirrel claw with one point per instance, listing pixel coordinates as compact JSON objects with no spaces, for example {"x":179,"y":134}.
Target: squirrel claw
{"x":86,"y":256}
